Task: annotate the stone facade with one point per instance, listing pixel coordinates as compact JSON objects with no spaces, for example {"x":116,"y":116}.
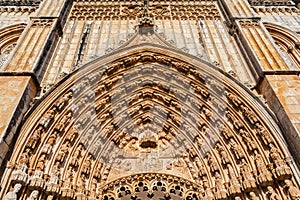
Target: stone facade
{"x":149,"y":99}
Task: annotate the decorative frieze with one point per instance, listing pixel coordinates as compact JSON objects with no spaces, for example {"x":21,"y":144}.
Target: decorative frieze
{"x":270,"y":2}
{"x":166,"y":10}
{"x":20,"y":2}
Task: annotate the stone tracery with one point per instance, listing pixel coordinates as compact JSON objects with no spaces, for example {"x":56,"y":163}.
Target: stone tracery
{"x":225,"y":148}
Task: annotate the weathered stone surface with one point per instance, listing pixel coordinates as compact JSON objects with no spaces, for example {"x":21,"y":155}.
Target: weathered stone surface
{"x":149,"y":99}
{"x":16,"y":93}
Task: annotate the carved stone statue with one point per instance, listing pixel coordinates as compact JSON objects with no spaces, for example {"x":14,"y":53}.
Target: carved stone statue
{"x":281,"y":168}
{"x":64,"y":100}
{"x":249,"y":114}
{"x":233,"y":98}
{"x":52,"y":138}
{"x":41,"y":162}
{"x":35,"y":137}
{"x":212,"y":164}
{"x":234,"y":183}
{"x":76,"y":155}
{"x":247,"y":175}
{"x":264,"y":135}
{"x":292,"y":191}
{"x":264,"y":175}
{"x":64,"y":121}
{"x":237,"y":150}
{"x":271,"y":194}
{"x":63,"y":151}
{"x":87,"y":164}
{"x":81,"y":183}
{"x":13,"y":195}
{"x":224,"y":156}
{"x":34,"y":195}
{"x":252,"y":196}
{"x":225,"y":131}
{"x":25,"y":157}
{"x":46,"y":120}
{"x":248,"y":140}
{"x":221,"y":192}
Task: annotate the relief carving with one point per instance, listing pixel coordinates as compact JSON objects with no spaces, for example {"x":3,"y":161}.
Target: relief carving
{"x":282,"y":170}
{"x":292,"y":191}
{"x":13,"y":194}
{"x":247,"y":176}
{"x":264,"y":175}
{"x":35,"y":138}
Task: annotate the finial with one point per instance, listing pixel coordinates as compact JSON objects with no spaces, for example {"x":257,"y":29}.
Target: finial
{"x":146,"y":21}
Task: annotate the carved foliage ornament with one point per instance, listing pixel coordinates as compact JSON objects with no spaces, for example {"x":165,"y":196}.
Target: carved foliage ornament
{"x":165,"y":10}
{"x":229,"y":156}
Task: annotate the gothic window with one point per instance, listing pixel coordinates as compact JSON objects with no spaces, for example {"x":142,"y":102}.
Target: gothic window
{"x":286,"y":42}
{"x":8,"y":41}
{"x":4,"y":54}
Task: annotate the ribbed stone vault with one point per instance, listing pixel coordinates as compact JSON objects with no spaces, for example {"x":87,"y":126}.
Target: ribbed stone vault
{"x":150,"y":117}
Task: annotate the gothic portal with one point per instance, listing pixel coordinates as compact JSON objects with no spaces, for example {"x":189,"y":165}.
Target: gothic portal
{"x":154,"y":99}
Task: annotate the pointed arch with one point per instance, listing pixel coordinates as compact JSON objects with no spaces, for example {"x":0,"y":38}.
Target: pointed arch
{"x":149,"y":109}
{"x":8,"y":40}
{"x":288,"y":42}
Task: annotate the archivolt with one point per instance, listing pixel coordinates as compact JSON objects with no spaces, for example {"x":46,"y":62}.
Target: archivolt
{"x":150,"y":110}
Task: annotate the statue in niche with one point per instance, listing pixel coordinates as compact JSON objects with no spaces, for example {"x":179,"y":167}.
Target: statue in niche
{"x":13,"y":195}
{"x":264,"y":135}
{"x":41,"y":162}
{"x":233,"y":98}
{"x":224,"y":131}
{"x":264,"y":175}
{"x":72,"y":134}
{"x":63,"y":151}
{"x":224,"y":156}
{"x":54,"y":178}
{"x":235,"y":186}
{"x":292,"y":191}
{"x":201,"y":168}
{"x":81,"y":183}
{"x":35,"y":137}
{"x":250,"y":115}
{"x":69,"y":177}
{"x":52,"y":138}
{"x":248,"y":140}
{"x":51,"y":141}
{"x":34,"y":195}
{"x":221,"y":191}
{"x":64,"y":121}
{"x":76,"y":155}
{"x":25,"y":157}
{"x":247,"y":175}
{"x":212,"y":164}
{"x":252,"y":196}
{"x":237,"y":150}
{"x":62,"y":102}
{"x":87,"y":164}
{"x":271,"y":194}
{"x":281,"y":168}
{"x":236,"y":123}
{"x":45,"y":121}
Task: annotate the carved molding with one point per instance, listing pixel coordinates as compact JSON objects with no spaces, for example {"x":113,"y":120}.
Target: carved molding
{"x":165,"y":10}
{"x":144,"y":103}
{"x":20,"y":2}
{"x":270,"y":2}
